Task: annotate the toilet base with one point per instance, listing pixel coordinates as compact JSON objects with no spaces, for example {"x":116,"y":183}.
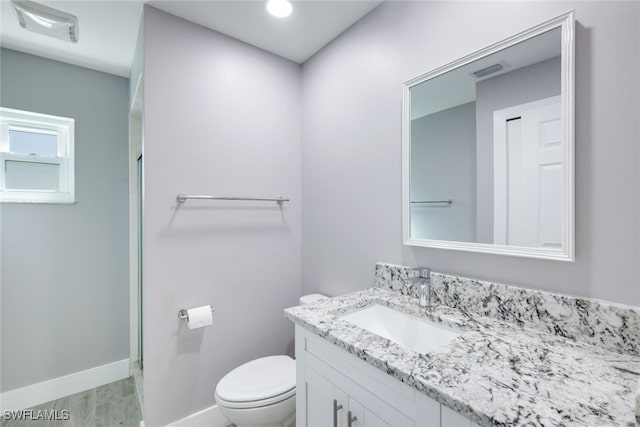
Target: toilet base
{"x":281,"y":414}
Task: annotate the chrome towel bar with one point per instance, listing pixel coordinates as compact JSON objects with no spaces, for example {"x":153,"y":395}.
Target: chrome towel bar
{"x":448,"y":201}
{"x":181,"y":198}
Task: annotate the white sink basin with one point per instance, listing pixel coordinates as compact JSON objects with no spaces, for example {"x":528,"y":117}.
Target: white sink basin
{"x":417,"y":334}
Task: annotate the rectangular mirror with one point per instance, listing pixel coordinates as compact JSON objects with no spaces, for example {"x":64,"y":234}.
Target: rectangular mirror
{"x":488,"y":163}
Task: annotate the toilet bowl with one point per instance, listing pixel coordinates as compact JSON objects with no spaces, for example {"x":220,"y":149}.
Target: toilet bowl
{"x":262,"y":392}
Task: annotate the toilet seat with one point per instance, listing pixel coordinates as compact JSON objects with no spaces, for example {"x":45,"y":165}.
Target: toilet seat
{"x":256,"y":403}
{"x":260,"y":382}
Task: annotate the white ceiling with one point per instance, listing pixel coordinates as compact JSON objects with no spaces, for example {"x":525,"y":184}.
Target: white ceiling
{"x":109,"y":28}
{"x":312,"y":24}
{"x":458,"y":86}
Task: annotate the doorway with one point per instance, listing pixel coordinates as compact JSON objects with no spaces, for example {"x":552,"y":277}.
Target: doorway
{"x":527,"y":174}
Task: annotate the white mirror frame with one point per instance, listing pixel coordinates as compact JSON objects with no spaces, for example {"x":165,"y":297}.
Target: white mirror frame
{"x":566,"y":252}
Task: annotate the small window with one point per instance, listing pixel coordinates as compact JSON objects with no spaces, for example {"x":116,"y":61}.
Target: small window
{"x":36,"y":157}
{"x":25,"y":142}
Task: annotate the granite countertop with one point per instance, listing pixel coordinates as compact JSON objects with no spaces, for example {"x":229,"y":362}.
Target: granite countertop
{"x":497,"y":372}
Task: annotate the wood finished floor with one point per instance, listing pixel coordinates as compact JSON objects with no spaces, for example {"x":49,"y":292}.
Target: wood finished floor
{"x":110,"y":405}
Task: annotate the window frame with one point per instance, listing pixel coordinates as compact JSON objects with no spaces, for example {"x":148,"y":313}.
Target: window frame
{"x":25,"y":121}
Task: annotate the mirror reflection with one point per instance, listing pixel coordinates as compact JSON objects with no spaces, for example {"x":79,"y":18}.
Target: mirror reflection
{"x":486,"y":164}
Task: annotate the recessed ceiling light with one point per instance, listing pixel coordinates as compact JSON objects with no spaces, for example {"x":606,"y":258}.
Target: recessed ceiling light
{"x":279,"y":8}
{"x":45,"y":20}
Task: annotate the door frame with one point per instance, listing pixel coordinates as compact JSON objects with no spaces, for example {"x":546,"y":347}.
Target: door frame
{"x":136,"y":195}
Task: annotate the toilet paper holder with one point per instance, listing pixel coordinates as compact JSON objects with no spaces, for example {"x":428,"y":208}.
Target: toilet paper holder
{"x":182,"y":314}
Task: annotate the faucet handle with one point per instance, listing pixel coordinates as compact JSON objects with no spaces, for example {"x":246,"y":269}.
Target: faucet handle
{"x":423,"y":278}
{"x":423,"y":273}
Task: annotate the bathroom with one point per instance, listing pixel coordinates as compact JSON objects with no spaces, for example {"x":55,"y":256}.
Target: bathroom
{"x":222,"y":117}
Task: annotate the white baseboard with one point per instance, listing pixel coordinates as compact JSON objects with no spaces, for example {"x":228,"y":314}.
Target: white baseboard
{"x":56,"y":388}
{"x":211,"y":417}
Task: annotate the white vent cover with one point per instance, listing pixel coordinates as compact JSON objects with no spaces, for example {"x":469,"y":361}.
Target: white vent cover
{"x":45,"y":20}
{"x":488,"y":70}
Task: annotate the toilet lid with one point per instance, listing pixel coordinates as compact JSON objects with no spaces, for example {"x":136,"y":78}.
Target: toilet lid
{"x":258,"y":379}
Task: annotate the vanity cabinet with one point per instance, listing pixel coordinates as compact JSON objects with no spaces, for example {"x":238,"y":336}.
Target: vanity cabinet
{"x":335,"y":388}
{"x":328,"y":405}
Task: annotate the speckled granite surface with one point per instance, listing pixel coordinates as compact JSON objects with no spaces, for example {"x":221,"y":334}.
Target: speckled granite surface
{"x":500,"y":371}
{"x":611,"y":326}
{"x":638,"y":405}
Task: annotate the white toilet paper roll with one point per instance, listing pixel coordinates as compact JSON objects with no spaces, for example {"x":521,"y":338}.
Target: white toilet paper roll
{"x":199,"y":317}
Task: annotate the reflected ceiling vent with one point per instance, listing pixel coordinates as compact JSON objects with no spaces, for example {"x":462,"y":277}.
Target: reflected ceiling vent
{"x":45,"y":20}
{"x":489,"y":70}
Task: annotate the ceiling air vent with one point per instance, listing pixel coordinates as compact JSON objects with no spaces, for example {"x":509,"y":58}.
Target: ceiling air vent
{"x":488,"y":70}
{"x":45,"y":20}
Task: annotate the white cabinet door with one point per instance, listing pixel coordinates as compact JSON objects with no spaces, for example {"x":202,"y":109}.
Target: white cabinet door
{"x":355,"y":414}
{"x":380,"y":416}
{"x":372,"y":420}
{"x":320,"y":395}
{"x":319,"y":401}
{"x":342,"y":402}
{"x":364,"y":417}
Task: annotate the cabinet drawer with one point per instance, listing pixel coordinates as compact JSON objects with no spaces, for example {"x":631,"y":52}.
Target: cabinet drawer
{"x":384,"y":386}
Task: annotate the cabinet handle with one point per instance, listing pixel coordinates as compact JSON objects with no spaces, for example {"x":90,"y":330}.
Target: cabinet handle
{"x":350,"y":419}
{"x":336,"y":408}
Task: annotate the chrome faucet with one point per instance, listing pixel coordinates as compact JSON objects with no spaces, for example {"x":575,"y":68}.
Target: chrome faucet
{"x":423,"y":278}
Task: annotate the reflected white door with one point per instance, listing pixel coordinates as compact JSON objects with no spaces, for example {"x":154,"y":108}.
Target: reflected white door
{"x":527,"y":174}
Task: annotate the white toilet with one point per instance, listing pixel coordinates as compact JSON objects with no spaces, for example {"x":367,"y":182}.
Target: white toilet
{"x":262,"y":392}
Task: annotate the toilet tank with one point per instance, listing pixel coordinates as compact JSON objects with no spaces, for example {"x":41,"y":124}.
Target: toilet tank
{"x":311,"y":298}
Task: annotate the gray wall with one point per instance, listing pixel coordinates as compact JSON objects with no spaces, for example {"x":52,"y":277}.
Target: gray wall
{"x":65,"y":290}
{"x":351,"y":148}
{"x":443,"y":166}
{"x":527,"y":84}
{"x":220,"y":118}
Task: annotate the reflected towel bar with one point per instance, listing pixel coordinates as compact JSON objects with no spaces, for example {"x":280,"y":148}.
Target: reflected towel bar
{"x":449,"y":201}
{"x":181,"y":198}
